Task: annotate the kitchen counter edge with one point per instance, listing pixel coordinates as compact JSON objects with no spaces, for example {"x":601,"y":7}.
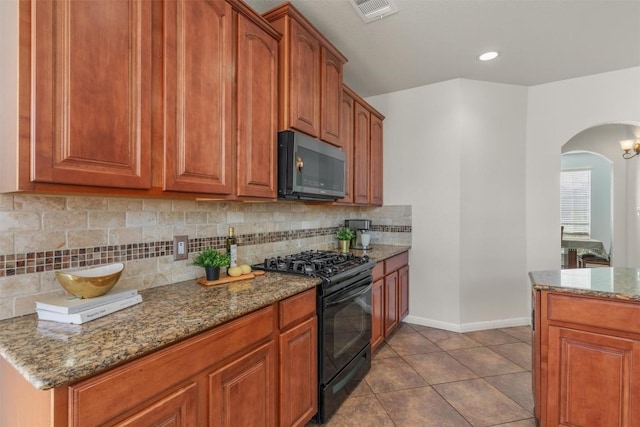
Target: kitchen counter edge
{"x":601,"y":282}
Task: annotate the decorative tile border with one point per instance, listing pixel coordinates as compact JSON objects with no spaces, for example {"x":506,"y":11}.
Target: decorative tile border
{"x":391,"y":228}
{"x":38,"y":262}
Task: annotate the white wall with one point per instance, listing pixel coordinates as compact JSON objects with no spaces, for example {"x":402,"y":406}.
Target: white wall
{"x":493,"y":283}
{"x":556,"y":112}
{"x":455,"y":151}
{"x":422,"y":168}
{"x":486,"y":199}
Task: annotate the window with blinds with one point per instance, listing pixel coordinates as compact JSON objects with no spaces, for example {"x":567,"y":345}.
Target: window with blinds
{"x":575,"y":202}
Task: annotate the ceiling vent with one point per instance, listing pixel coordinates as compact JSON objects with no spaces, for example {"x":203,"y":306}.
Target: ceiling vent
{"x":373,"y":10}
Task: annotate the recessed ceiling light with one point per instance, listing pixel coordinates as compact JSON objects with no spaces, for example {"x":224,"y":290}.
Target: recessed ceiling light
{"x":488,"y":56}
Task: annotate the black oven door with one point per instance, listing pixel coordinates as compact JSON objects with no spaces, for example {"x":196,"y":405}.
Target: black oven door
{"x":346,"y":327}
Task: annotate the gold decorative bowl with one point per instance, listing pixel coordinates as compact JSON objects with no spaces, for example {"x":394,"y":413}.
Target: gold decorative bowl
{"x":92,"y":282}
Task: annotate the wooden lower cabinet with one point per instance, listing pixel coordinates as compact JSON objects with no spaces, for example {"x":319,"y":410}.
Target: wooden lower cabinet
{"x":257,"y":370}
{"x":403,"y":292}
{"x":178,"y":409}
{"x":243,"y":392}
{"x":391,"y":315}
{"x":298,"y":374}
{"x":377,"y":314}
{"x":298,"y":359}
{"x":389,"y":297}
{"x":588,"y":375}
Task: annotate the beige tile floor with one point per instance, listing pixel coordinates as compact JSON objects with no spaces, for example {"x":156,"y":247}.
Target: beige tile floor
{"x":428,"y":377}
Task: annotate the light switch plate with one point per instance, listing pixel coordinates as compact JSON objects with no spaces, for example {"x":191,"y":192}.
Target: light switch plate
{"x":180,"y":247}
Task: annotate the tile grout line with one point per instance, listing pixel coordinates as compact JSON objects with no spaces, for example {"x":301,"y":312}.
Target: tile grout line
{"x":483,"y":378}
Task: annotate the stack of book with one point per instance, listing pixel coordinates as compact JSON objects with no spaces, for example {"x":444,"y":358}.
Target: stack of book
{"x":67,"y":309}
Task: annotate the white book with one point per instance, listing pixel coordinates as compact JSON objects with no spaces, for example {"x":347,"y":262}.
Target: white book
{"x":90,"y":314}
{"x":71,"y":304}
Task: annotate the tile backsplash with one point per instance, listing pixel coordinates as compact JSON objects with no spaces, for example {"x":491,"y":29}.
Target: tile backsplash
{"x":41,"y":234}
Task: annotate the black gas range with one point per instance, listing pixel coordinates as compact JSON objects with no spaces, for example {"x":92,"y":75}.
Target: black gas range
{"x":344,"y":319}
{"x":333,"y":268}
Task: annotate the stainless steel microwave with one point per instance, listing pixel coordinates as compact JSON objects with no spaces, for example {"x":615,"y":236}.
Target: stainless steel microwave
{"x":309,"y":169}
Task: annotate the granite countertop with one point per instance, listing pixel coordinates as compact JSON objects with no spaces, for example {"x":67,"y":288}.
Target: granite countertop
{"x":603,"y":282}
{"x":381,"y":252}
{"x":50,"y":354}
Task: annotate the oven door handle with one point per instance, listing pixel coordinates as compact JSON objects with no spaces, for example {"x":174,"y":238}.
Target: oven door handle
{"x":350,"y":296}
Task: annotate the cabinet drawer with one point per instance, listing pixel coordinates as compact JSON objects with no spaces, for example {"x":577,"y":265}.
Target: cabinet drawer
{"x":396,"y":262}
{"x":94,"y":401}
{"x":297,"y":308}
{"x":601,"y":313}
{"x":378,"y":271}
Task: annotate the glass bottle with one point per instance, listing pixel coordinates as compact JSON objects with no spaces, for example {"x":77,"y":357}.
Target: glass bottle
{"x":232,"y":248}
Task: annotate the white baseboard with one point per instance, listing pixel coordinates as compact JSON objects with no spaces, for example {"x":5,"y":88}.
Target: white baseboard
{"x":468,"y":327}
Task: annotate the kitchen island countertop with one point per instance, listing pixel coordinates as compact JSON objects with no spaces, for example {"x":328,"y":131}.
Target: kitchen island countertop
{"x":604,"y":282}
{"x":50,"y":354}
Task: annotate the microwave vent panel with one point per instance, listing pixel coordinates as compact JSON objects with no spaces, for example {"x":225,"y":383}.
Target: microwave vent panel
{"x":373,"y":10}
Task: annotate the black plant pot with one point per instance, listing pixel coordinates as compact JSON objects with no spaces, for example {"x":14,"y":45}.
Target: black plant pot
{"x":213,"y":273}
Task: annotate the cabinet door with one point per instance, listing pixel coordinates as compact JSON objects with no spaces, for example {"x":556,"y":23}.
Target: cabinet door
{"x":346,"y":143}
{"x":244,"y":392}
{"x":299,"y":373}
{"x":592,"y":379}
{"x":377,"y":314}
{"x":391,"y":318}
{"x":176,"y":410}
{"x":403,"y":298}
{"x":375,"y":179}
{"x":197,"y":96}
{"x":257,"y":111}
{"x":304,"y":76}
{"x":331,"y":97}
{"x":91,"y":111}
{"x":361,"y":154}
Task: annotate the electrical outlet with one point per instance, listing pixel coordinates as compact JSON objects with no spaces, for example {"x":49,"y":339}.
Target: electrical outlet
{"x":180,"y":247}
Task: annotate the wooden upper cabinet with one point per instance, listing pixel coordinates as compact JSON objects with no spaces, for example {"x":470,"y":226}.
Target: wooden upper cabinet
{"x":304,"y":83}
{"x":330,"y":96}
{"x":361,"y":144}
{"x":375,"y":171}
{"x":197,"y":59}
{"x":257,"y":110}
{"x":87,"y":97}
{"x":364,"y":170}
{"x":310,"y":76}
{"x":346,"y":143}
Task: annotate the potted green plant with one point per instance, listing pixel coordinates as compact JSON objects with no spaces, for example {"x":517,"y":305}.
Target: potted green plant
{"x":344,"y":236}
{"x":211,"y":260}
